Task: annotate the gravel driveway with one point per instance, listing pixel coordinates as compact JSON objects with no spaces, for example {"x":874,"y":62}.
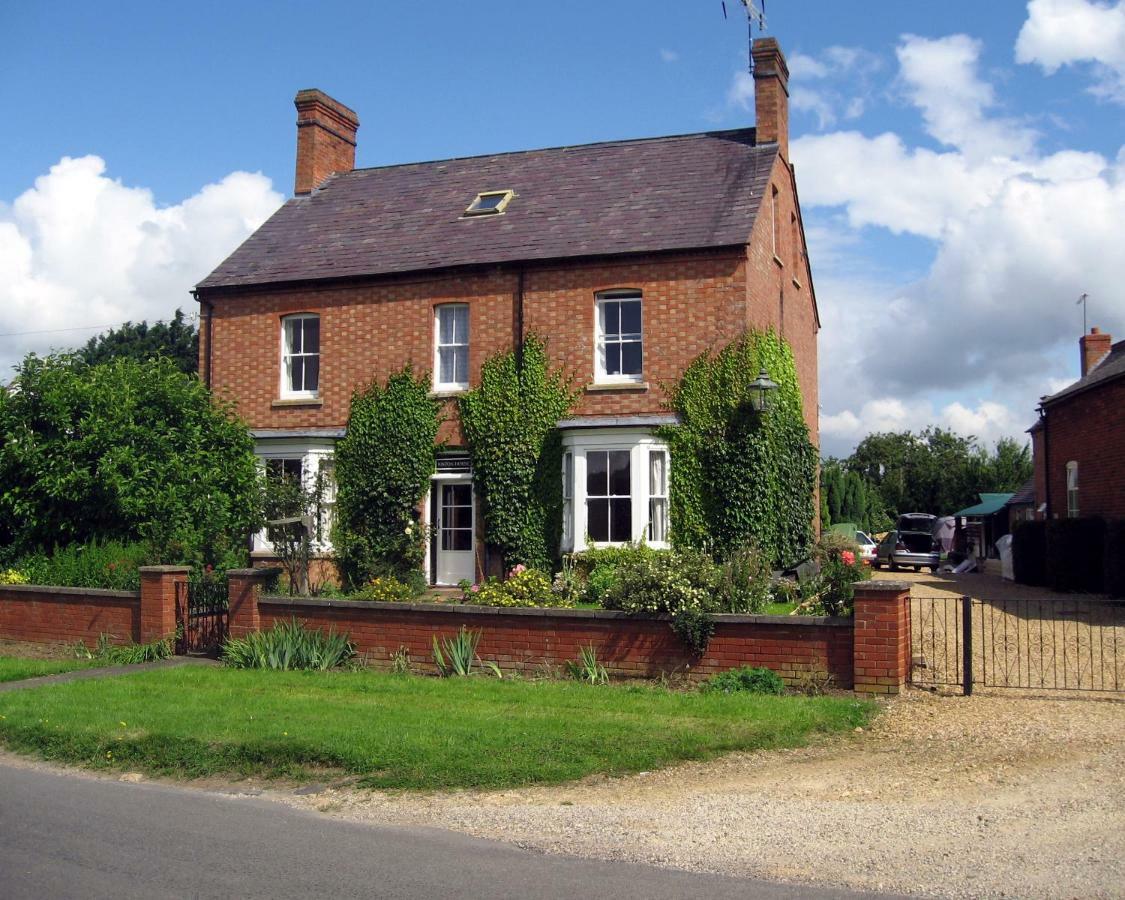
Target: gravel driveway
{"x":943,"y":796}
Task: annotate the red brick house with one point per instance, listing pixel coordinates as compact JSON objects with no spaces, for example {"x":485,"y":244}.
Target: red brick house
{"x":1079,"y":440}
{"x":630,"y":257}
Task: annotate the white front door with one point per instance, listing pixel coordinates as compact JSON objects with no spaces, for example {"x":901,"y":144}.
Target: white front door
{"x":454,"y":539}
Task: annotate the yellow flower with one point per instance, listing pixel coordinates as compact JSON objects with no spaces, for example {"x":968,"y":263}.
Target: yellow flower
{"x":122,"y":724}
{"x":286,"y":733}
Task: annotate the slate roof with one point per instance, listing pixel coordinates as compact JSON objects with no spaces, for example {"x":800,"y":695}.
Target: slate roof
{"x":671,"y":193}
{"x":1111,"y":366}
{"x":1025,"y":495}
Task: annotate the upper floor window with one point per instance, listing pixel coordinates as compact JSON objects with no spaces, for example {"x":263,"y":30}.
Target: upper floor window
{"x":300,"y":355}
{"x":775,"y":225}
{"x":618,"y":341}
{"x":451,"y":347}
{"x":1072,"y":489}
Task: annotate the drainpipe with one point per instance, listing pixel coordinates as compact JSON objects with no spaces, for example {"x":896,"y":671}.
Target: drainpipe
{"x":1046,"y":465}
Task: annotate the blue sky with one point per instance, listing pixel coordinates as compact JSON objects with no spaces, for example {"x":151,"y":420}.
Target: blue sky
{"x":1001,"y":102}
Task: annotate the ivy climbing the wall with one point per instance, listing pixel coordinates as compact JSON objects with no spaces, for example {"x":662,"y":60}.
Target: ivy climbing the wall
{"x":739,"y":474}
{"x":383,"y":469}
{"x":509,"y":423}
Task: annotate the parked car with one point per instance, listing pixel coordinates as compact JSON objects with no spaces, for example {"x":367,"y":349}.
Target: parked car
{"x":911,"y":543}
{"x":867,"y":547}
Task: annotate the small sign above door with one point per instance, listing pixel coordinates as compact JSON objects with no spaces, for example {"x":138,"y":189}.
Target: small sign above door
{"x":454,"y":462}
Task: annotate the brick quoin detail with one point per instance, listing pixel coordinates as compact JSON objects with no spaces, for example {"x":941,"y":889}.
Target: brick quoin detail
{"x":882,"y":637}
{"x":158,"y":600}
{"x":53,"y":615}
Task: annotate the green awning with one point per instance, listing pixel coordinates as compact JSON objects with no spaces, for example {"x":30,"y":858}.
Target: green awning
{"x":989,"y":504}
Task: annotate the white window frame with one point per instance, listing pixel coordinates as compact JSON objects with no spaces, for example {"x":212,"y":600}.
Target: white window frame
{"x":287,"y":392}
{"x":317,"y":457}
{"x":639,"y":442}
{"x":601,"y":340}
{"x":440,"y":385}
{"x":657,"y":496}
{"x":568,"y":499}
{"x":1072,"y":490}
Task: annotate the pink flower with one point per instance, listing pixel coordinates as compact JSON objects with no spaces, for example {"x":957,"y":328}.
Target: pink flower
{"x":516,"y":571}
{"x":848,"y":557}
{"x":475,"y":588}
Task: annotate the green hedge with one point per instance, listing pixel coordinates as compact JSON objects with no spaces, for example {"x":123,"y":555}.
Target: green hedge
{"x":1075,"y":550}
{"x":1114,"y":558}
{"x":1029,"y":553}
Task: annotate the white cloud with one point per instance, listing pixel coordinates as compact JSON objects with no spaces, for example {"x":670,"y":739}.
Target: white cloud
{"x":669,"y":56}
{"x":1071,"y":32}
{"x":80,"y":248}
{"x":832,"y":85}
{"x":990,"y":325}
{"x":741,"y":91}
{"x":940,"y":78}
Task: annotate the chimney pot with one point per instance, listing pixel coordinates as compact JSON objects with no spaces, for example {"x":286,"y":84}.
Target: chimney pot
{"x":771,"y":94}
{"x":1093,"y":347}
{"x":325,"y":139}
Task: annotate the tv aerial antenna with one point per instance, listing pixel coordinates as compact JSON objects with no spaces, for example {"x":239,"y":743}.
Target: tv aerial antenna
{"x":1083,"y":300}
{"x":754,"y":16}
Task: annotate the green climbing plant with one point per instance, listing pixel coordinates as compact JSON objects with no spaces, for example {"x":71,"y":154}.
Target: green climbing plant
{"x":739,"y":474}
{"x":383,"y":468}
{"x":509,"y":423}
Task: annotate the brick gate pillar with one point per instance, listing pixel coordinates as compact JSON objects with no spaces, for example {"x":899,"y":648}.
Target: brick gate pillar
{"x":158,"y":601}
{"x":244,"y":587}
{"x":881,"y":658}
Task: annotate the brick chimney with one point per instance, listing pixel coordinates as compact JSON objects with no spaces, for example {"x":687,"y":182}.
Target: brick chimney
{"x":325,"y":139}
{"x":771,"y":94}
{"x":1093,"y":347}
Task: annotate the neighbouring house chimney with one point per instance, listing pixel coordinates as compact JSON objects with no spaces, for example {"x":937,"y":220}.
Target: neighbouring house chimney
{"x":771,"y":94}
{"x":325,"y":139}
{"x":1093,"y":347}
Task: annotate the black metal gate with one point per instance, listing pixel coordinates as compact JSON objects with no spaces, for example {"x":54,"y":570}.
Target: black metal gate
{"x":1036,"y":644}
{"x":201,"y":614}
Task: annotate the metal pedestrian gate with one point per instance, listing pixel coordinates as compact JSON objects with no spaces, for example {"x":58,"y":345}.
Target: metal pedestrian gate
{"x":1040,"y":644}
{"x":201,"y":617}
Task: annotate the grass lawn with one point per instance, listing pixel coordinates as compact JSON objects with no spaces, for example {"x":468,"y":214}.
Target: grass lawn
{"x":398,"y":731}
{"x":15,"y":668}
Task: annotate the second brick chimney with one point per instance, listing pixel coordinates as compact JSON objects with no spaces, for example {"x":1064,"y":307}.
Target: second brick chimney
{"x":325,"y":139}
{"x":771,"y":94}
{"x":1093,"y":347}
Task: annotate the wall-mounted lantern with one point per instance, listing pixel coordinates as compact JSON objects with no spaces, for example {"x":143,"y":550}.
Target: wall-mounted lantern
{"x":763,"y":389}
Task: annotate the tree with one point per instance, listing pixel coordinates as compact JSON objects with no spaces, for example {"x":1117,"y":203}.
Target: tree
{"x":176,"y":340}
{"x":129,"y":450}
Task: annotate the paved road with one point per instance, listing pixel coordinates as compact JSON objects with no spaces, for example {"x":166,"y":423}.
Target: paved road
{"x":67,"y":836}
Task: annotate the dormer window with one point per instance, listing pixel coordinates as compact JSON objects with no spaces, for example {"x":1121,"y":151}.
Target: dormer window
{"x":490,"y":203}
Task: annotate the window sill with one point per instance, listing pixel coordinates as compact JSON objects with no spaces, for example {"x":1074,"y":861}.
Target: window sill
{"x":796,"y":284}
{"x":446,"y":392}
{"x":297,"y":401}
{"x":608,"y":386}
{"x":780,"y":264}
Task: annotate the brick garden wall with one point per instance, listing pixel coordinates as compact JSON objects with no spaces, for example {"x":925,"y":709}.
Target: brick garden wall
{"x":522,"y":640}
{"x":68,"y":615}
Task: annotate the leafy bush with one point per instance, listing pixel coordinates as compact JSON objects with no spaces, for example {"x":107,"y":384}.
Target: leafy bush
{"x":112,"y":565}
{"x":738,"y":473}
{"x":745,"y":579}
{"x":126,"y":451}
{"x":383,"y":468}
{"x":509,"y":424}
{"x":569,"y":584}
{"x":386,"y":589}
{"x":127,"y":654}
{"x":748,"y":679}
{"x":1074,"y":554}
{"x":678,"y":584}
{"x":12,"y":576}
{"x":1029,"y":553}
{"x":288,"y":645}
{"x":523,"y":587}
{"x":598,"y":566}
{"x":832,"y":592}
{"x":1114,"y":557}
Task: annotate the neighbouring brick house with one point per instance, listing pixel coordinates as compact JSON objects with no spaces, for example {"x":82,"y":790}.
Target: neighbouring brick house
{"x":629,"y":257}
{"x":1079,"y":440}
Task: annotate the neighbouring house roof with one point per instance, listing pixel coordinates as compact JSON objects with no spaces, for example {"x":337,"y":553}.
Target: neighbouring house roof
{"x":989,"y":504}
{"x":672,"y":193}
{"x":1110,"y":367}
{"x":1025,"y":496}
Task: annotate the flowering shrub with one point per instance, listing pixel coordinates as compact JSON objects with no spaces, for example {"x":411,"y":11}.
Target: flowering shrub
{"x":11,"y":576}
{"x":680,"y":584}
{"x":523,"y":587}
{"x":833,"y":591}
{"x":386,"y":589}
